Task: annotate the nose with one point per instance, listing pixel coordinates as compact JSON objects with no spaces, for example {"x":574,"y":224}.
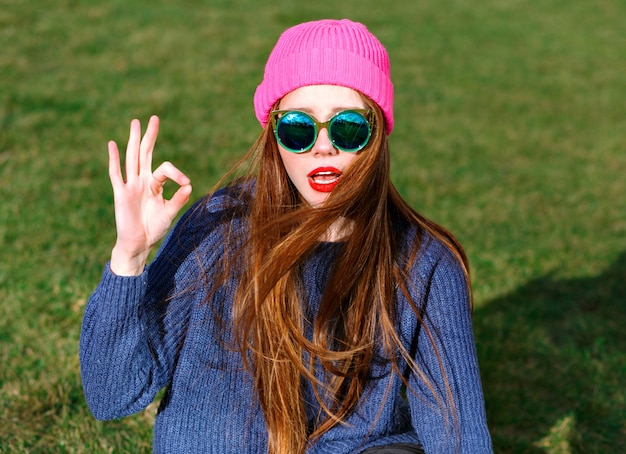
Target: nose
{"x":323,"y":146}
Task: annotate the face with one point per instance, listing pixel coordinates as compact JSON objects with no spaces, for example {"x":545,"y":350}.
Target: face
{"x":316,"y":172}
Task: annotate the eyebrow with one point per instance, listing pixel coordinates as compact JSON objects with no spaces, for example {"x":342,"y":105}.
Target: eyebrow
{"x":333,"y":111}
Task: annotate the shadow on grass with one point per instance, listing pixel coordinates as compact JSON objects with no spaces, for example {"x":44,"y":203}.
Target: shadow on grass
{"x":553,"y":361}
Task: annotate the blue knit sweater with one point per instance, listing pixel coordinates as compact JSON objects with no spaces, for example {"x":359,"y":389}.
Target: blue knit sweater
{"x":141,"y":334}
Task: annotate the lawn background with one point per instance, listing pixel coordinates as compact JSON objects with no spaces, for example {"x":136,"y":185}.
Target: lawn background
{"x":510,"y":130}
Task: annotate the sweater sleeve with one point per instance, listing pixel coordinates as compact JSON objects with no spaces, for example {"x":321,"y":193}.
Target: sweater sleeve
{"x":118,"y":372}
{"x":448,"y":411}
{"x":134,"y":327}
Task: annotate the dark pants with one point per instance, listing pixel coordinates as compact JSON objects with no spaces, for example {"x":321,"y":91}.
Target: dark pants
{"x":398,"y":448}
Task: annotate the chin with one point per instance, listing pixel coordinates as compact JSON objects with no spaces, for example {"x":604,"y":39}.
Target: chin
{"x":316,"y":200}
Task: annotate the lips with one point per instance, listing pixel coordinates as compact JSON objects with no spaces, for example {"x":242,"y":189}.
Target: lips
{"x":324,"y":179}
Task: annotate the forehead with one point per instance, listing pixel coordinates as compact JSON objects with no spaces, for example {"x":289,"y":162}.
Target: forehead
{"x":322,"y":99}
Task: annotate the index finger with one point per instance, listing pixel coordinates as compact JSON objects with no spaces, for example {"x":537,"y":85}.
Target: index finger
{"x":167,"y":171}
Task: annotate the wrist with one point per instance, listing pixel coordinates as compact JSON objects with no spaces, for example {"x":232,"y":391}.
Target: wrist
{"x":124,"y":263}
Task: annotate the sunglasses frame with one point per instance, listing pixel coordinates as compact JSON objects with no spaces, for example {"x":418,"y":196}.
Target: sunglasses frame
{"x":319,"y":125}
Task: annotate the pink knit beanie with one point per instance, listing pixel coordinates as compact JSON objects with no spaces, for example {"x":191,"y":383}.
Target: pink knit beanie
{"x":326,"y":52}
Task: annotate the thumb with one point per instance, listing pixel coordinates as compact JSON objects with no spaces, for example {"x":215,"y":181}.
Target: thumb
{"x":178,"y":200}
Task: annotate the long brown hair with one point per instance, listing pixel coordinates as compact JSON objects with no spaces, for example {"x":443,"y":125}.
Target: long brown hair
{"x":357,"y":313}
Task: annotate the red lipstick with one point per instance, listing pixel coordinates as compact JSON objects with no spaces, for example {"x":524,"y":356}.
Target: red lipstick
{"x":324,"y":179}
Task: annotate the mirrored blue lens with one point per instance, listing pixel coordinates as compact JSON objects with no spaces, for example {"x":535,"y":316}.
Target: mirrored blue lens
{"x":349,"y":131}
{"x":296,"y":131}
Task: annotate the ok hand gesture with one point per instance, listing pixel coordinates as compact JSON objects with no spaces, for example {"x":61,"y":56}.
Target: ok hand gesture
{"x":142,"y":215}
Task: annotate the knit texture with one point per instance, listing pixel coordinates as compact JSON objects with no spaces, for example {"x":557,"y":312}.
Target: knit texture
{"x":157,"y":330}
{"x":327,"y":52}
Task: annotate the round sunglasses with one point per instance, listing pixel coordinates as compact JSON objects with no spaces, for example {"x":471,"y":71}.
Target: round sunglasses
{"x":297,"y":131}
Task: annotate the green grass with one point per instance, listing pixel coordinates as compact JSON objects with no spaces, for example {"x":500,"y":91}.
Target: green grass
{"x":510,"y":131}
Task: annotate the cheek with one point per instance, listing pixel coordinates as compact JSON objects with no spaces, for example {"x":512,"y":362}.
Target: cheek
{"x":290,"y":162}
{"x":350,"y":158}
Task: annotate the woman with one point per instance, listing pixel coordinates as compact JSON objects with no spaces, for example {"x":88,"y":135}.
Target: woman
{"x":302,"y":308}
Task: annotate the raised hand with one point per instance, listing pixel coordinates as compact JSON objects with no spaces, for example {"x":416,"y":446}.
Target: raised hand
{"x":142,"y":215}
